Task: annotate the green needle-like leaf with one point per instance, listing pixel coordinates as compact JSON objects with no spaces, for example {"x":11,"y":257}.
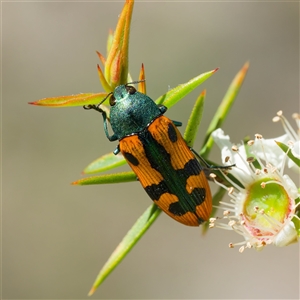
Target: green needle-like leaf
{"x":106,"y":162}
{"x":194,"y":120}
{"x":223,"y":109}
{"x":106,"y":86}
{"x":173,"y":96}
{"x":109,"y":178}
{"x":72,"y":100}
{"x":286,"y":149}
{"x":130,"y":239}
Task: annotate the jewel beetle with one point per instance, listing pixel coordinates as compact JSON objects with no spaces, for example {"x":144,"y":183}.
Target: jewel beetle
{"x":155,"y":150}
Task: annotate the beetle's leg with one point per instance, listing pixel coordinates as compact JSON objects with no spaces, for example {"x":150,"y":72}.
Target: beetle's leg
{"x":207,"y":165}
{"x":162,"y":108}
{"x":177,"y":123}
{"x":112,"y":137}
{"x":117,"y":150}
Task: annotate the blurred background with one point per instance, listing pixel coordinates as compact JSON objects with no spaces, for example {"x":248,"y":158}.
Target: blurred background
{"x":55,"y":236}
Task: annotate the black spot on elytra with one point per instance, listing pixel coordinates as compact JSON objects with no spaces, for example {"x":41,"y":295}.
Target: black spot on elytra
{"x":132,"y":159}
{"x":198,"y":195}
{"x":192,"y":167}
{"x":156,"y":190}
{"x":176,"y":209}
{"x":172,"y":133}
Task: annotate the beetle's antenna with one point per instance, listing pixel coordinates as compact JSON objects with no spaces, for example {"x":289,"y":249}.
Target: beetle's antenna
{"x":104,"y":99}
{"x":134,"y":82}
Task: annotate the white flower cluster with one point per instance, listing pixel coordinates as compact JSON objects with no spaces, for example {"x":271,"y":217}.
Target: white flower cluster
{"x":263,"y":206}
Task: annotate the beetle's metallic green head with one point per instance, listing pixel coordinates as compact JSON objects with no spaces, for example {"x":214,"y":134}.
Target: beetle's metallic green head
{"x":131,"y":111}
{"x":120,"y":93}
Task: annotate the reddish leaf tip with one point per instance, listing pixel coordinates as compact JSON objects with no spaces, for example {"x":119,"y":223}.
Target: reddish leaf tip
{"x":246,"y":66}
{"x":92,"y":291}
{"x":101,"y":57}
{"x":242,"y":73}
{"x":203,"y":93}
{"x":215,"y":70}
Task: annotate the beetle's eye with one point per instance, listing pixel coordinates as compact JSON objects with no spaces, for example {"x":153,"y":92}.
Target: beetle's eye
{"x":130,"y":89}
{"x":112,"y":100}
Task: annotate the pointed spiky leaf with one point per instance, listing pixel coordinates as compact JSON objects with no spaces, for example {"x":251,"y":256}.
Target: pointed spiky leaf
{"x":223,"y":109}
{"x":130,"y":239}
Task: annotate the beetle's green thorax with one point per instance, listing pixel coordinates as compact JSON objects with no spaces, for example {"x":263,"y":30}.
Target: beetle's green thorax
{"x":131,"y":111}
